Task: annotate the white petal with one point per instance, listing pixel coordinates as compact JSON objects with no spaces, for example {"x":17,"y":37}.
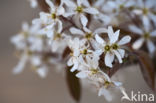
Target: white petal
{"x":50,"y":3}
{"x":146,"y":23}
{"x":86,"y":30}
{"x":33,"y":3}
{"x":110,"y":32}
{"x":105,"y":93}
{"x":138,"y":43}
{"x":109,"y":59}
{"x":42,"y":72}
{"x":86,"y":3}
{"x":135,"y":29}
{"x":137,"y":11}
{"x":84,"y":20}
{"x":99,"y":39}
{"x":20,"y":66}
{"x":79,"y":2}
{"x":60,"y":11}
{"x":153,"y":33}
{"x":122,"y":52}
{"x":98,"y":3}
{"x":67,"y":14}
{"x":70,"y":62}
{"x":75,"y":66}
{"x":25,"y":26}
{"x":59,"y":26}
{"x":118,"y":84}
{"x":118,"y":56}
{"x":150,"y":46}
{"x":76,"y":31}
{"x":124,"y":40}
{"x":69,"y":3}
{"x":91,"y":11}
{"x":115,"y":37}
{"x":100,"y":30}
{"x":81,"y":75}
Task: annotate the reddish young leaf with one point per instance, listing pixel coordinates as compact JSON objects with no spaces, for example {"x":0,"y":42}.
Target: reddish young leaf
{"x":147,"y":68}
{"x":73,"y":84}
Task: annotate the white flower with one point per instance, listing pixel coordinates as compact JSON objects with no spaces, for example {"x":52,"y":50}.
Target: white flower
{"x":79,"y":48}
{"x":80,"y":9}
{"x":86,"y":33}
{"x":104,"y":90}
{"x":146,"y":36}
{"x":89,"y":67}
{"x":145,"y":11}
{"x":74,"y":60}
{"x":112,"y":47}
{"x":115,"y":6}
{"x":52,"y":18}
{"x":19,"y":40}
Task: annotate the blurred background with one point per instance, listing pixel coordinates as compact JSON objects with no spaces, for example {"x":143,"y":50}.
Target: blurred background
{"x":28,"y":87}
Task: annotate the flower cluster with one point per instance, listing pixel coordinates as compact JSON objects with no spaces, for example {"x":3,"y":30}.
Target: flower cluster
{"x":77,"y":34}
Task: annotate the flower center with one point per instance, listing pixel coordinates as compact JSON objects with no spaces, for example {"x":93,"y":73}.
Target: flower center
{"x":58,"y":35}
{"x":94,"y":71}
{"x":121,"y":6}
{"x":146,"y":35}
{"x":115,"y":46}
{"x":88,"y":35}
{"x":85,"y":52}
{"x":145,"y":11}
{"x":53,"y":15}
{"x":107,"y":48}
{"x":79,"y":9}
{"x":106,"y":84}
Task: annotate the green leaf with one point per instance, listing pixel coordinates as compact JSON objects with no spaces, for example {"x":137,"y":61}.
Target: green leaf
{"x":147,"y":68}
{"x":73,"y":84}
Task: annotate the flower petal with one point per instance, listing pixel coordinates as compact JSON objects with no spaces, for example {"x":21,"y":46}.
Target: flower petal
{"x":100,"y":30}
{"x":76,"y":31}
{"x":42,"y":72}
{"x":109,"y":59}
{"x":135,"y":29}
{"x":138,"y":43}
{"x":81,"y":75}
{"x":60,"y":10}
{"x":105,"y":93}
{"x":91,"y":11}
{"x":20,"y":66}
{"x":115,"y":37}
{"x":153,"y":33}
{"x":50,"y":3}
{"x":83,"y":20}
{"x":110,"y":32}
{"x":99,"y":39}
{"x":118,"y":56}
{"x":146,"y":23}
{"x":124,"y":40}
{"x":122,"y":52}
{"x":151,"y":47}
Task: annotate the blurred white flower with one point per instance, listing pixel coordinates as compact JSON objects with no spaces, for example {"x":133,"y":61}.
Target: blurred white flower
{"x":86,"y":33}
{"x":146,"y":35}
{"x":145,"y":9}
{"x":80,"y":9}
{"x":112,"y":47}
